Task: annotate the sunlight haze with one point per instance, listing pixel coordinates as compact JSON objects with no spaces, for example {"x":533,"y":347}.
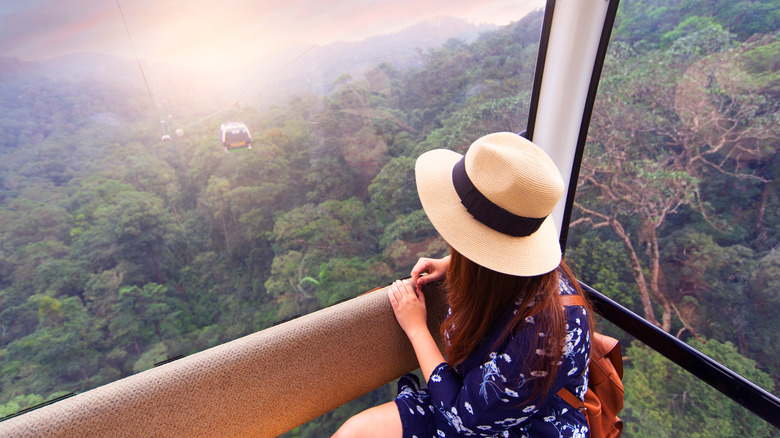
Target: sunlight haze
{"x":220,"y":38}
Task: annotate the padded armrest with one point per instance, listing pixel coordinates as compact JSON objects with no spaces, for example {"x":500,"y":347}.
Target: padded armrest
{"x":263,"y":384}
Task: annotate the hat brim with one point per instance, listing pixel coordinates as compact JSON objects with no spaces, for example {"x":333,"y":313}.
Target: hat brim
{"x":527,"y":256}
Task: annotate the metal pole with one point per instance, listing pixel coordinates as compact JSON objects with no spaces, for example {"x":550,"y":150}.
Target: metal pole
{"x":567,"y":77}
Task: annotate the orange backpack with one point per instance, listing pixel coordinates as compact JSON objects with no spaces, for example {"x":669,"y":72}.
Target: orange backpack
{"x":604,"y":398}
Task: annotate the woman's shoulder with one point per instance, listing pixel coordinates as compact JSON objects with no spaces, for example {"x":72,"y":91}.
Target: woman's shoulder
{"x":576,"y":314}
{"x":564,"y":285}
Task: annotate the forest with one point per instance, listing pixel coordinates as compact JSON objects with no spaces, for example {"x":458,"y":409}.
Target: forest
{"x":119,"y":251}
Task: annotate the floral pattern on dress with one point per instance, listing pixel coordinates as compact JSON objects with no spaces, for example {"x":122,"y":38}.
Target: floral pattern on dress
{"x":481,"y":396}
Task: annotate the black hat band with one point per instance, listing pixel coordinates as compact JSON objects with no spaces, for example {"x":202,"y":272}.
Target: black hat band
{"x":488,"y":213}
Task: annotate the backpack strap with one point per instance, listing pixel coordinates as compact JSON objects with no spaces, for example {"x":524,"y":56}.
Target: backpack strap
{"x":572,"y":300}
{"x":572,"y":400}
{"x":565,"y":394}
{"x":603,"y":346}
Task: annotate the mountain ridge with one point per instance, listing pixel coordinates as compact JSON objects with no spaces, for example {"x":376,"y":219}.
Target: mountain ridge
{"x":316,"y":72}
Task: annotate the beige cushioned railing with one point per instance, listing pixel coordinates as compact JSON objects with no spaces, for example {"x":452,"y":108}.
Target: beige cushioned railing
{"x":261,"y":385}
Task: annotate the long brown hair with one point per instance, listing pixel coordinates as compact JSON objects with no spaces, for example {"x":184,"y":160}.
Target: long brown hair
{"x":479,"y":296}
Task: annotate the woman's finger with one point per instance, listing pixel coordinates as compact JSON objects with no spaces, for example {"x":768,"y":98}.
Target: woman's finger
{"x":420,"y":269}
{"x":409,"y":288}
{"x":419,"y":293}
{"x":396,"y":297}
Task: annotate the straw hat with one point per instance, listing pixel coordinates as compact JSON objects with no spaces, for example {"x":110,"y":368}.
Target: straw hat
{"x":510,"y":186}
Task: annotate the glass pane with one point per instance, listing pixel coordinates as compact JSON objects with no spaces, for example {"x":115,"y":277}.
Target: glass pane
{"x":676,"y":214}
{"x":137,"y":224}
{"x":662,"y":397}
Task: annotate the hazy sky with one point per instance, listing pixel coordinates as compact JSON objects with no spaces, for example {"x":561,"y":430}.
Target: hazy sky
{"x":211,"y":34}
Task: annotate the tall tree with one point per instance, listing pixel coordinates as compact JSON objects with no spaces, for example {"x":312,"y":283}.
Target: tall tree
{"x":660,"y":126}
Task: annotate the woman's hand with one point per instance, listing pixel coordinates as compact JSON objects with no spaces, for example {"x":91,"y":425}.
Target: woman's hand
{"x":429,"y":270}
{"x":409,"y":307}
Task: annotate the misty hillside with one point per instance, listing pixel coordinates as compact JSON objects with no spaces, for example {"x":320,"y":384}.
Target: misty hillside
{"x":113,"y":84}
{"x":317,"y":70}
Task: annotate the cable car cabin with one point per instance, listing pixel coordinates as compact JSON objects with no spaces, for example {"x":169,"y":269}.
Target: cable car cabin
{"x":235,"y":135}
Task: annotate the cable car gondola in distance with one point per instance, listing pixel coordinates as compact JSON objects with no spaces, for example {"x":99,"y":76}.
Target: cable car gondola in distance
{"x":235,"y":135}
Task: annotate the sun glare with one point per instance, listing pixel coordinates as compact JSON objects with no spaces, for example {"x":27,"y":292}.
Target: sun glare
{"x":227,"y":42}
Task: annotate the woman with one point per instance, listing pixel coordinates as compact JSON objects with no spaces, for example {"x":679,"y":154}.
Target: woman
{"x":509,"y":343}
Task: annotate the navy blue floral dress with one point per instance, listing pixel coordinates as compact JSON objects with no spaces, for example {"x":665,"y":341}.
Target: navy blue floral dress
{"x":480,"y":397}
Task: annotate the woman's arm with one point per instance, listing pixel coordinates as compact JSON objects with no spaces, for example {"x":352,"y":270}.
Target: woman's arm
{"x":409,"y":308}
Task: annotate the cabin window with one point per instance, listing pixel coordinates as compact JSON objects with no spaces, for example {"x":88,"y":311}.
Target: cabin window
{"x":675,"y":215}
{"x":119,"y":251}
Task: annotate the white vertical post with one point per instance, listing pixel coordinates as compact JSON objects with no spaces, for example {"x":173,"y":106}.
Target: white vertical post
{"x":574,"y":40}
